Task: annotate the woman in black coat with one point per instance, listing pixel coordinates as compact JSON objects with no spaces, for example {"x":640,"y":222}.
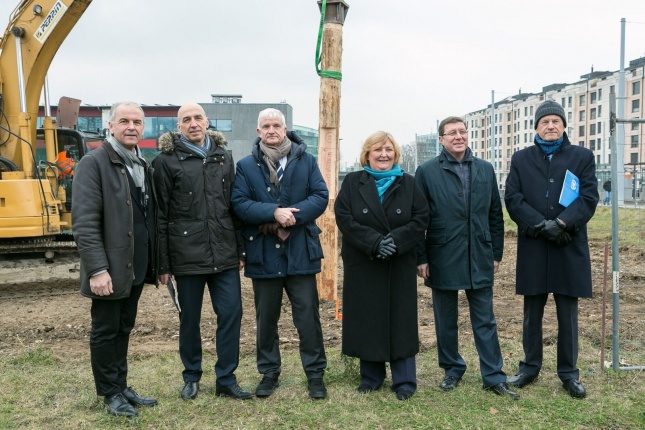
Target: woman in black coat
{"x":381,"y":213}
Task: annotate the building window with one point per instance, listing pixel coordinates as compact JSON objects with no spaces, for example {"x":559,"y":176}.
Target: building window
{"x":592,"y":144}
{"x":633,"y":158}
{"x":599,"y":94}
{"x":599,"y":111}
{"x":583,"y":99}
{"x":592,"y":113}
{"x":570,"y":101}
{"x":90,"y":123}
{"x":634,"y":125}
{"x":634,"y":141}
{"x":581,"y":131}
{"x":569,"y":117}
{"x":598,"y":129}
{"x":636,"y":106}
{"x":562,"y":102}
{"x":508,"y":116}
{"x":221,"y":124}
{"x":593,"y":98}
{"x":636,"y":88}
{"x":583,"y":115}
{"x":612,"y":89}
{"x":581,"y":143}
{"x":592,"y":130}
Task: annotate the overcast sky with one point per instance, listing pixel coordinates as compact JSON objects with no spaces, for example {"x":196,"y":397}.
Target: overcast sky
{"x":406,"y":63}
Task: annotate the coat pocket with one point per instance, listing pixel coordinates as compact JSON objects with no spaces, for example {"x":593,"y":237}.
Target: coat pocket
{"x":313,"y":242}
{"x":436,"y":234}
{"x":188,"y":243}
{"x":254,"y":246}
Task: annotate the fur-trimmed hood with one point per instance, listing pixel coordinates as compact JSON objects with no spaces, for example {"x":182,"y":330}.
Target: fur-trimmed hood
{"x":166,"y":142}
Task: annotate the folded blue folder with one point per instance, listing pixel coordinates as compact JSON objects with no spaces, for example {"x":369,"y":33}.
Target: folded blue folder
{"x":570,"y":189}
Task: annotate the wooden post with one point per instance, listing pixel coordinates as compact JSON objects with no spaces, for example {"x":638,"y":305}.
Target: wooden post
{"x":328,"y":141}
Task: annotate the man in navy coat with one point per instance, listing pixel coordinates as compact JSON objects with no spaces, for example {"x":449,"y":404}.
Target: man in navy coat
{"x":279,"y":192}
{"x":552,"y":247}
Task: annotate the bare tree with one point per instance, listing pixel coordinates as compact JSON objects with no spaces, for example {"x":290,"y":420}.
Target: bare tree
{"x":407,"y":161}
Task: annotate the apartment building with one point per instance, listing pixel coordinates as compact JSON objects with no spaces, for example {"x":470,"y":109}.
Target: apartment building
{"x":586,"y":104}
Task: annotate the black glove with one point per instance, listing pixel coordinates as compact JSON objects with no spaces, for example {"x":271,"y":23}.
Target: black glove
{"x":564,"y":239}
{"x":386,"y":248}
{"x":551,"y":230}
{"x":538,"y":228}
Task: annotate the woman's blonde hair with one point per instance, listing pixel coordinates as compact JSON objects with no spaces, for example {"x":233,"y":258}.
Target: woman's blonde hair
{"x":376,"y":140}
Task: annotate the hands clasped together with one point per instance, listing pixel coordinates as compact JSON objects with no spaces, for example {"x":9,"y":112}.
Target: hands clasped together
{"x":553,"y":231}
{"x":386,"y":248}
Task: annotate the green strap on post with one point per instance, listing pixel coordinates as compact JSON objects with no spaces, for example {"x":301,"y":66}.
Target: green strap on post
{"x":324,"y":73}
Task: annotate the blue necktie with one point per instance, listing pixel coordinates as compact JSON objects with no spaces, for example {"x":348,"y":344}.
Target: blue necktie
{"x":279,"y":171}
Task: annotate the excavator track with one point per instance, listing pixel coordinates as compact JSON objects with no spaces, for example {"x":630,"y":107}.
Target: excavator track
{"x":46,"y":245}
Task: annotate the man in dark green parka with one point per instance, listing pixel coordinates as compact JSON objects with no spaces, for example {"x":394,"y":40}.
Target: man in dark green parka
{"x":462,"y":250}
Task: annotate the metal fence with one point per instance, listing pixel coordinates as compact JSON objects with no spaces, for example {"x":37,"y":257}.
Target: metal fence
{"x":627,"y":258}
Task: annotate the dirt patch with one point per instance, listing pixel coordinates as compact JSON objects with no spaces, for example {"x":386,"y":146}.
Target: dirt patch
{"x":40,"y":306}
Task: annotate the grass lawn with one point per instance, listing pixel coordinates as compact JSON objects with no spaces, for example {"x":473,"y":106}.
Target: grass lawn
{"x":43,"y":391}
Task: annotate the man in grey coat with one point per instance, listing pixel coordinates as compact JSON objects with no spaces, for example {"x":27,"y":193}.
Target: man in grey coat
{"x":113,"y":214}
{"x":462,"y":250}
{"x":552,"y":248}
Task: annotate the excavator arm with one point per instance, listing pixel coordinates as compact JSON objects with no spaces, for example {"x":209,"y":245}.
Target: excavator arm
{"x":36,"y":30}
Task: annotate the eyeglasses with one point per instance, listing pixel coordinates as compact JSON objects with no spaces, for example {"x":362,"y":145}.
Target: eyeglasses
{"x":453,"y":133}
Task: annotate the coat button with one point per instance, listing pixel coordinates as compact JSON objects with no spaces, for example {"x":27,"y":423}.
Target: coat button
{"x":130,"y":233}
{"x":129,"y":265}
{"x":398,"y":211}
{"x":551,"y":180}
{"x":127,"y":202}
{"x":269,"y":189}
{"x":364,"y":210}
{"x":277,"y":245}
{"x":251,"y":238}
{"x":551,"y":207}
{"x":185,"y":232}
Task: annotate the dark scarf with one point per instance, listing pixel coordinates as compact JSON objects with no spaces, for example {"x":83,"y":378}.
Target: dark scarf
{"x":549,"y":147}
{"x":199,"y":151}
{"x":384,"y":178}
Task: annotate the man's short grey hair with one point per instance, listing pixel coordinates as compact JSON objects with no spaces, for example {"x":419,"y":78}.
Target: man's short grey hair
{"x":271,"y":113}
{"x":116,"y":105}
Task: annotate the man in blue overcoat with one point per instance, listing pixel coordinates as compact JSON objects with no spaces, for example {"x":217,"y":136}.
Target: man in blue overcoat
{"x":552,"y":247}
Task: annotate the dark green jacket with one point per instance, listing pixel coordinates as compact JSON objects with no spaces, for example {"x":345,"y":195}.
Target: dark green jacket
{"x":460,"y":247}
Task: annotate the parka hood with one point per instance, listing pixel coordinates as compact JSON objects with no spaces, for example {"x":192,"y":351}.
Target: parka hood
{"x":166,"y":142}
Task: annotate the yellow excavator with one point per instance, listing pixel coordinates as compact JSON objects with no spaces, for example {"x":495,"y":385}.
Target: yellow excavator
{"x":36,"y":165}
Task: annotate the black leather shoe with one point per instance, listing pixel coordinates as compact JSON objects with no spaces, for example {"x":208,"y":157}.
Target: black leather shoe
{"x":136,"y":400}
{"x":449,"y":383}
{"x":521,"y":380}
{"x":403,"y":394}
{"x":574,"y":388}
{"x":501,"y":389}
{"x":190,"y":390}
{"x":267,"y":386}
{"x":119,"y":406}
{"x":234,"y":391}
{"x":365,"y":388}
{"x":317,"y":388}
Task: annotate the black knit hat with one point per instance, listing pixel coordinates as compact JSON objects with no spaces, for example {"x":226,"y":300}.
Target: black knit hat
{"x":549,"y":107}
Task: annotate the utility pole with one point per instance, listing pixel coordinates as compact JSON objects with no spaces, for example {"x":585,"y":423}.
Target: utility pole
{"x":333,"y":14}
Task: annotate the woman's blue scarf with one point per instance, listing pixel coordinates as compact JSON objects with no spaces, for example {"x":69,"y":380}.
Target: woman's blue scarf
{"x":384,"y":178}
{"x":549,"y":147}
